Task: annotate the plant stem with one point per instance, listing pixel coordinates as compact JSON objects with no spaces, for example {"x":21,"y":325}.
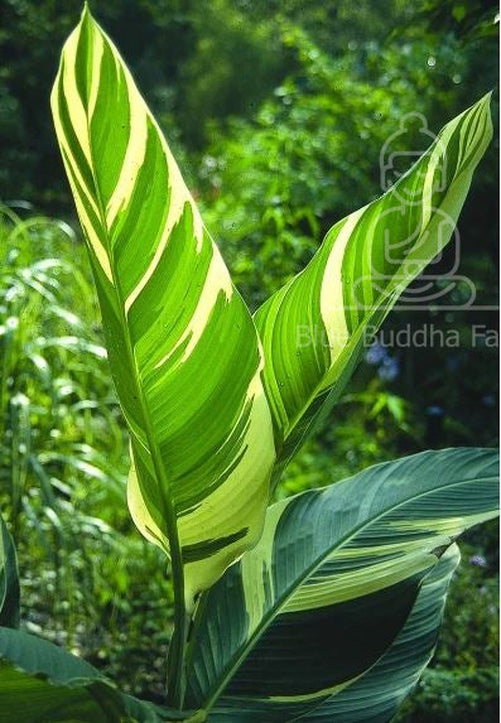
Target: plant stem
{"x":177,"y":652}
{"x":177,"y":648}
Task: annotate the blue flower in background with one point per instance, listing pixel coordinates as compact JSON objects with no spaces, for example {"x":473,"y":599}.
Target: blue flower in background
{"x":434,"y":411}
{"x":375,"y":353}
{"x":478,"y":561}
{"x":389,"y":367}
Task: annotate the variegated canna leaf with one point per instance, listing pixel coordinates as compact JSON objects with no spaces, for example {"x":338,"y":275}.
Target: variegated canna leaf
{"x":331,"y":584}
{"x":183,"y":349}
{"x":376,"y":696}
{"x":313,"y":328}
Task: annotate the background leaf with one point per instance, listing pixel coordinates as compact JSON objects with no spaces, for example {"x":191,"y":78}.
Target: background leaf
{"x":43,"y":682}
{"x":9,"y":582}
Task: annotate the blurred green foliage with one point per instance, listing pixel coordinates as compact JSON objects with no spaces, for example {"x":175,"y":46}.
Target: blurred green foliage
{"x":277,"y":112}
{"x":63,"y":457}
{"x":312,"y":154}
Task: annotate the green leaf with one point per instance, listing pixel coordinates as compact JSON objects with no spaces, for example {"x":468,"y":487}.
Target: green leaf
{"x":184,"y":353}
{"x":34,"y":700}
{"x":9,"y":581}
{"x":331,"y":583}
{"x":314,"y":328}
{"x":43,"y":682}
{"x":376,"y":696}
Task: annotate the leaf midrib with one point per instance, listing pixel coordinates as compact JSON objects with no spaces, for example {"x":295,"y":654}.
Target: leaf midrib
{"x":168,"y":510}
{"x":152,"y":445}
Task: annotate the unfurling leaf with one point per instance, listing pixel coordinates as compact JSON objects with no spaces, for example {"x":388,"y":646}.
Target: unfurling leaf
{"x":314,"y":328}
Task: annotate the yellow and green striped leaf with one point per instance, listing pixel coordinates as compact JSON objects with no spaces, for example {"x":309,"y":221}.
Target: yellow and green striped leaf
{"x":183,"y":350}
{"x":331,"y":583}
{"x":313,"y":328}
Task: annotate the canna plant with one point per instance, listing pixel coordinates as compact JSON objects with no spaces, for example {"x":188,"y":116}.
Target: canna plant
{"x":321,"y":607}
